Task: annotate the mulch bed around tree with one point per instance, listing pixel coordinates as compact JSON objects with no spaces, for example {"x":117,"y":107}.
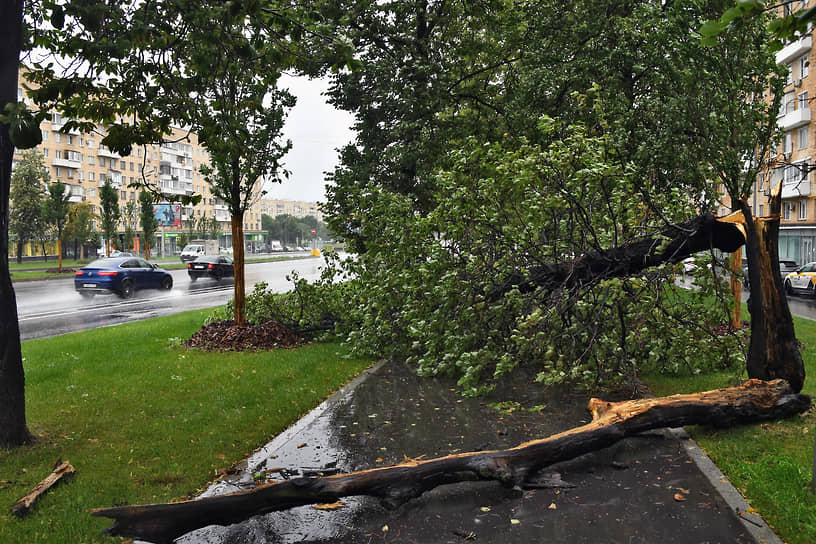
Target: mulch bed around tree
{"x":227,"y":336}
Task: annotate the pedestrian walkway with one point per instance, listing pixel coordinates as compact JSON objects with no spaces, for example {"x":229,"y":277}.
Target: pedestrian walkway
{"x":643,"y":490}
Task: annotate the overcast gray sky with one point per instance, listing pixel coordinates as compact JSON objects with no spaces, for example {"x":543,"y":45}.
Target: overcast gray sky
{"x":317,"y":130}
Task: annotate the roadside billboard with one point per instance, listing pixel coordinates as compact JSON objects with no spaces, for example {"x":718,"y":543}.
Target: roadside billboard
{"x":168,"y":215}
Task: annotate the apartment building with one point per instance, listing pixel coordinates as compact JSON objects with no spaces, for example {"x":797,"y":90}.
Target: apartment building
{"x":797,"y":150}
{"x":84,"y":164}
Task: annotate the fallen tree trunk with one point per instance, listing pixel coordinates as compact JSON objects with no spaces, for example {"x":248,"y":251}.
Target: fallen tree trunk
{"x":750,"y":402}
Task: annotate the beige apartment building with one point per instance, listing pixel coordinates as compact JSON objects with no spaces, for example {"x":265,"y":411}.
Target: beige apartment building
{"x":83,"y":164}
{"x":796,"y":152}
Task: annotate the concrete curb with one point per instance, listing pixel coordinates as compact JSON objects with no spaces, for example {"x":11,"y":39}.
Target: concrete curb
{"x":752,"y":521}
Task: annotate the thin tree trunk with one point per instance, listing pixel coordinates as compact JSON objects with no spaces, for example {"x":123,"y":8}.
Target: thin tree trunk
{"x":752,"y":401}
{"x":237,"y":227}
{"x":59,"y":255}
{"x":13,"y":429}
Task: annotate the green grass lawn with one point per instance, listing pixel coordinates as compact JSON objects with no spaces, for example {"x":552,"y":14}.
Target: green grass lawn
{"x":144,"y":420}
{"x":771,"y":464}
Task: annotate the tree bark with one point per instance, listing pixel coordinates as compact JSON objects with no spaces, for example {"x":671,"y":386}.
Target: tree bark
{"x":774,"y":350}
{"x":239,"y":313}
{"x":749,"y":402}
{"x":13,"y":429}
{"x":62,"y":470}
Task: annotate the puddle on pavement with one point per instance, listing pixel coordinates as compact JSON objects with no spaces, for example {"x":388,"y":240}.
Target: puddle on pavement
{"x":393,"y":414}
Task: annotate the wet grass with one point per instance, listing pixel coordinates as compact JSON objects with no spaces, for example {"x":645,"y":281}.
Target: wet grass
{"x":771,"y":464}
{"x":144,"y":420}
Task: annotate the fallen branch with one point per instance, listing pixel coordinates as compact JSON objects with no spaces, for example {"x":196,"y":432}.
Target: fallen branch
{"x":749,"y":402}
{"x":62,"y":470}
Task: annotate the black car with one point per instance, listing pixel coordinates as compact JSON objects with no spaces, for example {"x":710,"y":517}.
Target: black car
{"x":212,"y":266}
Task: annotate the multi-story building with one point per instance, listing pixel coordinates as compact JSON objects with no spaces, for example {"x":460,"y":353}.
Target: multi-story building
{"x":83,"y":164}
{"x":796,"y":152}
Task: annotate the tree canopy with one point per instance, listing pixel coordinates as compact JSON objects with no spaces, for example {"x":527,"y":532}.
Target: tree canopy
{"x":529,"y":138}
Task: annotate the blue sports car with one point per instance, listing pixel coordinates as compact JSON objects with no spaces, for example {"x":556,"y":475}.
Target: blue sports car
{"x":120,"y":275}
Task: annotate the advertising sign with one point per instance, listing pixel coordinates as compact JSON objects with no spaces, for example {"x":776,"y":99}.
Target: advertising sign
{"x":168,"y":215}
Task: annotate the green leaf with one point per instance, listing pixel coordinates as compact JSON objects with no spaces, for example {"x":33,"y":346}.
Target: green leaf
{"x":711,"y":28}
{"x":731,"y":14}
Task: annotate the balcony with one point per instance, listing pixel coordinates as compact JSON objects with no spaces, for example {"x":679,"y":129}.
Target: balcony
{"x":103,"y":151}
{"x":794,"y":50}
{"x":66,"y":163}
{"x":796,"y":190}
{"x":794,"y":119}
{"x":172,"y":185}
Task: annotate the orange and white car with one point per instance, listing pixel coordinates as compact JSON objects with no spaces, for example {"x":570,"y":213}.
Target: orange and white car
{"x":802,"y":280}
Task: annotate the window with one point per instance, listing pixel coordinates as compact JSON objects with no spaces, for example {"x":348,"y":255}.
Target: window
{"x":57,"y":137}
{"x":761,"y":210}
{"x":45,"y":153}
{"x":138,"y":152}
{"x":80,"y":175}
{"x":58,"y":172}
{"x":787,"y":104}
{"x":131,"y":166}
{"x":787,"y":145}
{"x":45,"y":135}
{"x":101,"y":161}
{"x":802,"y":210}
{"x":90,"y":159}
{"x":789,"y":80}
{"x":91,"y":191}
{"x":70,"y":139}
{"x":786,"y":210}
{"x":103,"y":177}
{"x":90,"y":143}
{"x":69,"y":173}
{"x":788,"y":8}
{"x":122,"y":165}
{"x":803,"y":100}
{"x":122,"y":195}
{"x":91,"y":177}
{"x":802,"y":137}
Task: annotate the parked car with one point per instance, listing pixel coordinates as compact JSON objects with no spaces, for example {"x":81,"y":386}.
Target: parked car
{"x":803,"y":280}
{"x":117,"y":253}
{"x":213,"y":266}
{"x":786,"y":266}
{"x":120,"y":275}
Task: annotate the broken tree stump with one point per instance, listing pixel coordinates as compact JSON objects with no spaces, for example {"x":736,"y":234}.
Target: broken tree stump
{"x":62,"y":470}
{"x":750,"y":402}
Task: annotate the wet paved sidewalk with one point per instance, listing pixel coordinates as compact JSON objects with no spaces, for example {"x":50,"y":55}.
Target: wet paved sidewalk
{"x":642,"y":490}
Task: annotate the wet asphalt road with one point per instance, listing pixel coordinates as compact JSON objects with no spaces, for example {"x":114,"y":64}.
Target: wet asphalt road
{"x":51,"y":307}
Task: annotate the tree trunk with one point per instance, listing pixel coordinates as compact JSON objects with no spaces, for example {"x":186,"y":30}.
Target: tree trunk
{"x":237,"y":224}
{"x":59,"y":255}
{"x":752,"y":401}
{"x":13,"y":429}
{"x":774,"y":350}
